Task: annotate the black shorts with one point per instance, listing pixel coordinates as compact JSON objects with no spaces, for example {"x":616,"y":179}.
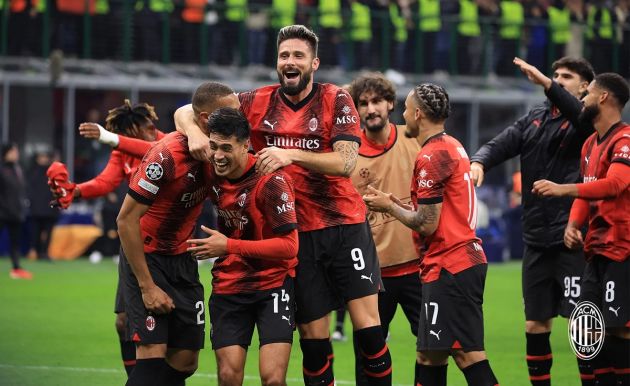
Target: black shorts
{"x":233,"y":316}
{"x":405,"y":290}
{"x":119,"y":302}
{"x":607,"y":284}
{"x":177,"y":275}
{"x":452,"y":313}
{"x":336,"y":264}
{"x":551,"y":281}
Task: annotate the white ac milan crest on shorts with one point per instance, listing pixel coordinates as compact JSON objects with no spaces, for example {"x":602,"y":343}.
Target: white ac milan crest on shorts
{"x":586,"y":330}
{"x":150,"y":323}
{"x":154,"y":171}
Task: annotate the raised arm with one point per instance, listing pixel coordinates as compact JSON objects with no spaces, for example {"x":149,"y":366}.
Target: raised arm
{"x":198,"y":144}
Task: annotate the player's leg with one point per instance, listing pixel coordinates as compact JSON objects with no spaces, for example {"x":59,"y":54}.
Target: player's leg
{"x":542,"y":298}
{"x":431,"y":368}
{"x":315,"y":300}
{"x":357,"y":277}
{"x":274,"y":361}
{"x":127,"y":347}
{"x":410,"y":298}
{"x":231,"y":365}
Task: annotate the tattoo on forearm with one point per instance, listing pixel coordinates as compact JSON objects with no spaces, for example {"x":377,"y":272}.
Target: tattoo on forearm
{"x":416,"y":220}
{"x":349,"y":151}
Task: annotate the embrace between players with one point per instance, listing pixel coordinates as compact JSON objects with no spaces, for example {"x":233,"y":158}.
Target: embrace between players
{"x":294,"y":202}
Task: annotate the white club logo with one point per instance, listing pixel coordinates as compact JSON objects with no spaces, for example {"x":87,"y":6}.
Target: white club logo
{"x":423,"y":173}
{"x":154,"y":171}
{"x":284,"y":197}
{"x":586,"y":330}
{"x":625,"y":148}
{"x":346,"y":109}
{"x":241,"y":199}
{"x":150,"y":323}
{"x":312,"y":124}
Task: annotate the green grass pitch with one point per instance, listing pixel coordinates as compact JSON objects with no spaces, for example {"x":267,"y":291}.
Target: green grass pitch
{"x":58,"y":329}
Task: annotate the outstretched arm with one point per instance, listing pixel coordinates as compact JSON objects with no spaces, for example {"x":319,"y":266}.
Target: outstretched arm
{"x":198,"y":144}
{"x":617,"y":180}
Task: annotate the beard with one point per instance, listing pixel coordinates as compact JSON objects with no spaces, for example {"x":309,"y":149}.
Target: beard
{"x":375,"y":128}
{"x":305,"y":78}
{"x":588,"y":114}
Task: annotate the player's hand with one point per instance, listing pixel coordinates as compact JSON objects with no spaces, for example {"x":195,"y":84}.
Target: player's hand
{"x":89,"y":130}
{"x":212,"y":246}
{"x":271,"y":159}
{"x":60,"y":186}
{"x":199,"y":145}
{"x":378,"y":201}
{"x":573,"y":237}
{"x":533,"y":74}
{"x":401,"y":204}
{"x":547,"y":188}
{"x":476,"y":173}
{"x":156,"y":300}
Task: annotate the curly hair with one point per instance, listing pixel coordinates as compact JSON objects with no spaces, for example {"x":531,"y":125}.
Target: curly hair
{"x":128,"y":120}
{"x":433,"y":101}
{"x":375,"y":82}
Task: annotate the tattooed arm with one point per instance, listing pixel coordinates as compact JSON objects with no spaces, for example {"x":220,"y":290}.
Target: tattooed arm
{"x":424,"y":220}
{"x":340,"y":162}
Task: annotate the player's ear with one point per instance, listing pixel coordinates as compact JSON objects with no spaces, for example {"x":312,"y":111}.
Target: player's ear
{"x":315,"y":63}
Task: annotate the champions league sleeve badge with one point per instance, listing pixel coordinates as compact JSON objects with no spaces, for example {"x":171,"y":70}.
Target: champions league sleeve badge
{"x":154,"y":171}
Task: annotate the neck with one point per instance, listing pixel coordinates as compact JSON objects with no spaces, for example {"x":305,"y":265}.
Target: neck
{"x":295,"y":99}
{"x":429,"y":131}
{"x":382,"y":136}
{"x":604,"y":121}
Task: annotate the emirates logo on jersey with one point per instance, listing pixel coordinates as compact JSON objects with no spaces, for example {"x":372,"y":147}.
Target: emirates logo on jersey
{"x":150,"y":323}
{"x":312,"y":124}
{"x":241,"y":199}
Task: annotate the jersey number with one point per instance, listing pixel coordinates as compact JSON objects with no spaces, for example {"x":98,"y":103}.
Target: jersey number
{"x":610,"y":291}
{"x":434,"y":314}
{"x":280,"y":298}
{"x":572,"y":286}
{"x":472,"y":201}
{"x":357,"y":256}
{"x":199,"y":305}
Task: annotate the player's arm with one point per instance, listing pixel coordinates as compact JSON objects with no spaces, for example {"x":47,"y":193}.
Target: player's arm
{"x":133,"y":146}
{"x":128,"y":221}
{"x":423,"y":220}
{"x":283,"y":246}
{"x":577,"y":218}
{"x":504,"y":146}
{"x":340,"y":162}
{"x":198,"y":143}
{"x":107,"y":180}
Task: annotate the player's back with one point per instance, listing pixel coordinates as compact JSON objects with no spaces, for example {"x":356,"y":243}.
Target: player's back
{"x":608,"y":225}
{"x":442,"y":174}
{"x":174,"y":185}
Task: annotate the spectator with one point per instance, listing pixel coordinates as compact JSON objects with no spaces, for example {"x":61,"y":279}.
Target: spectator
{"x":537,"y":33}
{"x":559,"y":27}
{"x":257,"y":24}
{"x":622,"y":11}
{"x":600,"y":35}
{"x":511,"y":20}
{"x":42,"y":216}
{"x":13,"y":205}
{"x":575,"y":46}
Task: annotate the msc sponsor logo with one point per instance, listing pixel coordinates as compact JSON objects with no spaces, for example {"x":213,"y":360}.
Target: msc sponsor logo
{"x":624,"y":152}
{"x":422,"y":181}
{"x":586,"y":330}
{"x":589,"y":178}
{"x":286,"y":207}
{"x":346,"y":119}
{"x":290,"y":142}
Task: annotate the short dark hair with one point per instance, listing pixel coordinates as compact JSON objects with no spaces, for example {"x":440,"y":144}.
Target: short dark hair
{"x":616,"y":85}
{"x":301,"y":32}
{"x":375,"y":82}
{"x":207,"y":93}
{"x":580,"y":66}
{"x":6,"y":147}
{"x":433,"y":100}
{"x":228,"y":122}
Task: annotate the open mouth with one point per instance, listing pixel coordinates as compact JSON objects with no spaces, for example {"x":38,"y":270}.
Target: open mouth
{"x":221,"y":165}
{"x":292,"y":74}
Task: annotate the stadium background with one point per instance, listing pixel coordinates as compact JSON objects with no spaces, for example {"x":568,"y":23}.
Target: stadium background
{"x":63,"y":62}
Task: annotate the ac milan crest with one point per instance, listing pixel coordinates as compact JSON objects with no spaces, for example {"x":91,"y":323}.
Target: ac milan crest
{"x":150,"y":323}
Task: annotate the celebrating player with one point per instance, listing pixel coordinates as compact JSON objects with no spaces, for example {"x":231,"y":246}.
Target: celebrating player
{"x":453,"y":267}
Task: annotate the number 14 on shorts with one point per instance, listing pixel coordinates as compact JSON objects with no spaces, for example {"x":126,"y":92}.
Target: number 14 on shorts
{"x":280,"y":297}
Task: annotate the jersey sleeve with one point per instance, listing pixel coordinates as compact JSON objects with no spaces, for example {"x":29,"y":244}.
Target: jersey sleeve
{"x":432,"y":171}
{"x":156,"y":170}
{"x":133,"y":146}
{"x":246,"y":99}
{"x":277,"y":203}
{"x":346,"y":124}
{"x":107,"y":180}
{"x":621,"y":150}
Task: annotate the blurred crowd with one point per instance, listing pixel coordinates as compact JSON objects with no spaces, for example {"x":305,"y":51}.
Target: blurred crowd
{"x":469,"y":37}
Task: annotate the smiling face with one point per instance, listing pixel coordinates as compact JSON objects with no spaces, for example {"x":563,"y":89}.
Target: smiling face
{"x":570,"y":81}
{"x":295,"y":66}
{"x":410,"y":115}
{"x":228,"y":155}
{"x":374,"y":111}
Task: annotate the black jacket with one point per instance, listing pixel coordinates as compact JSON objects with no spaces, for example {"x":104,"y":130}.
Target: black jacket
{"x":12,"y":194}
{"x":549,"y":146}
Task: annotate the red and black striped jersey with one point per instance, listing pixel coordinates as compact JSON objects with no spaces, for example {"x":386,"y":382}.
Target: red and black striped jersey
{"x":608,"y":224}
{"x":325,"y":116}
{"x":253,"y":207}
{"x":119,"y":167}
{"x":442,"y":175}
{"x":175,"y":185}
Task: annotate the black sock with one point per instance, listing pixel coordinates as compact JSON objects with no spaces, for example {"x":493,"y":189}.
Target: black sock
{"x":603,"y":364}
{"x":148,"y":372}
{"x":377,"y":361}
{"x":175,"y":377}
{"x":621,"y":361}
{"x":430,"y":375}
{"x":128,"y":353}
{"x":316,"y":366}
{"x":480,"y":374}
{"x":539,"y":358}
{"x":586,"y":372}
